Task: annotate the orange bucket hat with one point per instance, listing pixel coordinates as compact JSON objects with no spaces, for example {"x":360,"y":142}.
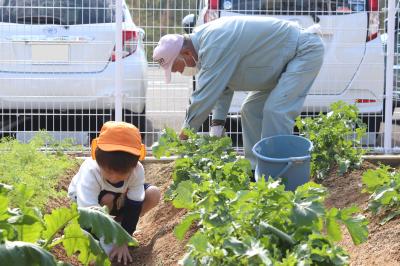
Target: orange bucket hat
{"x":119,"y":136}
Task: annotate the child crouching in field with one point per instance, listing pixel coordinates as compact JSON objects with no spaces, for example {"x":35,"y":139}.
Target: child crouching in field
{"x":114,"y":177}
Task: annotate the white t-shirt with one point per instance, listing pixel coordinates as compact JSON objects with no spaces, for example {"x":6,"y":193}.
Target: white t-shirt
{"x":87,"y":184}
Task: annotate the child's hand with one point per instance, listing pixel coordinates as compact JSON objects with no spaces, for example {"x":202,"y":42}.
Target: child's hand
{"x":121,"y":253}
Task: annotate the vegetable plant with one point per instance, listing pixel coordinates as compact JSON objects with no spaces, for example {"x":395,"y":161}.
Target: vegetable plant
{"x":383,"y":184}
{"x":336,"y":137}
{"x":245,"y":223}
{"x":29,"y":163}
{"x":27,"y":236}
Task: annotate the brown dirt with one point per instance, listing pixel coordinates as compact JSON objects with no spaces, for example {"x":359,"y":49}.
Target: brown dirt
{"x":158,"y":245}
{"x":383,"y":244}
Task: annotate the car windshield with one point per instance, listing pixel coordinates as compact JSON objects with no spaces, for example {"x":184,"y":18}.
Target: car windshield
{"x":293,"y":7}
{"x":62,"y":12}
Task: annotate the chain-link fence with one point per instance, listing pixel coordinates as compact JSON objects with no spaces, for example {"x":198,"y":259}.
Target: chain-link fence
{"x":58,"y":63}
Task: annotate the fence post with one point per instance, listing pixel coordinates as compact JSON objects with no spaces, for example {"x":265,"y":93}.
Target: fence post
{"x":118,"y":60}
{"x":389,"y":76}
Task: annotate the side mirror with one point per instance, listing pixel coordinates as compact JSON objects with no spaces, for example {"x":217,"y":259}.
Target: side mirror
{"x":188,"y":23}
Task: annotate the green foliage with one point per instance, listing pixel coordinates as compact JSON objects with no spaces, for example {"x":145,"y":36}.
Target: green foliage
{"x":26,"y":254}
{"x":95,"y":219}
{"x":244,"y":223}
{"x":26,"y":163}
{"x":336,"y":137}
{"x":384,"y":186}
{"x":26,"y":236}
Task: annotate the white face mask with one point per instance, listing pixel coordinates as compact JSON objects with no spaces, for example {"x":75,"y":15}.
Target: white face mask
{"x":190,"y":71}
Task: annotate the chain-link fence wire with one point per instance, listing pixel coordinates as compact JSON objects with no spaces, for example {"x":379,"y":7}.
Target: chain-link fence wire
{"x":353,"y":32}
{"x":356,"y":64}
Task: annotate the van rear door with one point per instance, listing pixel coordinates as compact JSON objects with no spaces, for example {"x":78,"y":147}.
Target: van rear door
{"x":344,"y":26}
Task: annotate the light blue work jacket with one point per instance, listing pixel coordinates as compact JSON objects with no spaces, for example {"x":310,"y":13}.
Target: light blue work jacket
{"x":238,"y":53}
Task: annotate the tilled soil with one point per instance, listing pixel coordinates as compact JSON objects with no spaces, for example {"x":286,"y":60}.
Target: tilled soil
{"x":383,"y":244}
{"x":158,"y":245}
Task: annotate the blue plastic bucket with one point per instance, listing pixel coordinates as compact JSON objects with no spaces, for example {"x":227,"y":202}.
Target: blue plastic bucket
{"x":284,"y":156}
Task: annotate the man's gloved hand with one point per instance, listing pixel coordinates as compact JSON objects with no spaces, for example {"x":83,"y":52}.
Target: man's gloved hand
{"x":217,"y":131}
{"x":217,"y":128}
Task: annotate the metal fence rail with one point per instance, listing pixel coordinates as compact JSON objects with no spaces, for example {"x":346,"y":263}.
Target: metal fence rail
{"x":61,"y":69}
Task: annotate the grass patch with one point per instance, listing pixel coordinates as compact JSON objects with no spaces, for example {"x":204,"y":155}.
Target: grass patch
{"x":38,"y":168}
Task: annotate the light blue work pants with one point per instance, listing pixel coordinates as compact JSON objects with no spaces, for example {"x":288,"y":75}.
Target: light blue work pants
{"x":273,"y":112}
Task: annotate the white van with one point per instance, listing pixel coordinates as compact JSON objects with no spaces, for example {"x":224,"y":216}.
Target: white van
{"x":353,"y":68}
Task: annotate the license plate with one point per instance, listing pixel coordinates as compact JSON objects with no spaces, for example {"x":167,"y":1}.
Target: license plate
{"x":50,"y":53}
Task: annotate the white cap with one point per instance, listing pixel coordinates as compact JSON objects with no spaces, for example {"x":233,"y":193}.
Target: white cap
{"x":167,"y":51}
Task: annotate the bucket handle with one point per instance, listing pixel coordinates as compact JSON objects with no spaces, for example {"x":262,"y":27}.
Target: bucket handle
{"x":289,"y":164}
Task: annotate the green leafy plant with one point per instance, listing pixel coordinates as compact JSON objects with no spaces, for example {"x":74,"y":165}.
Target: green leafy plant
{"x":26,"y":236}
{"x":33,"y":164}
{"x":384,"y":186}
{"x":336,"y":137}
{"x":244,"y":223}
